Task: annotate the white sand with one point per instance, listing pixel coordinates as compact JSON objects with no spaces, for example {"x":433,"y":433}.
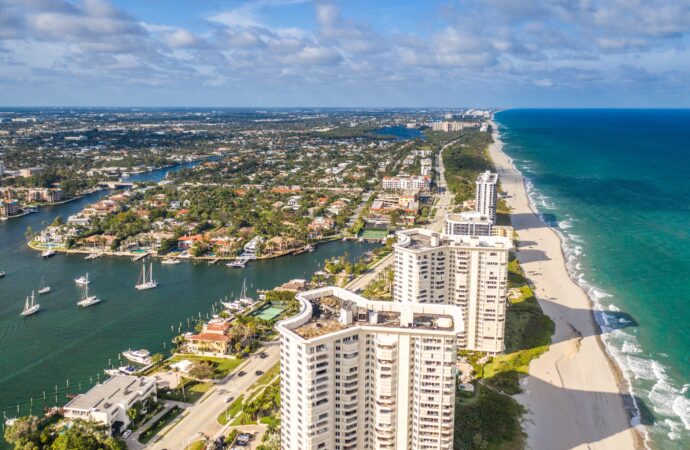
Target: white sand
{"x":572,"y":392}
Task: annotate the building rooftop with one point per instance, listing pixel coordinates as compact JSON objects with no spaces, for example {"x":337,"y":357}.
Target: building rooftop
{"x":487,"y":177}
{"x":329,"y":310}
{"x":116,"y":389}
{"x":469,"y":216}
{"x":423,"y":239}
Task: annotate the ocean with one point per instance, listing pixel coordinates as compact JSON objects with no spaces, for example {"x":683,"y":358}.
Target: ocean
{"x":616,"y":186}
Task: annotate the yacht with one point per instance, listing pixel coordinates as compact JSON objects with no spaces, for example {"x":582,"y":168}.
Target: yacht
{"x":138,"y":356}
{"x":146,"y":281}
{"x":170,"y":261}
{"x":30,"y":307}
{"x":242,"y":300}
{"x":43,"y":289}
{"x":122,"y":370}
{"x":86,"y":299}
{"x":2,"y":274}
{"x":239,"y":262}
{"x":47,"y":253}
{"x":83,"y":280}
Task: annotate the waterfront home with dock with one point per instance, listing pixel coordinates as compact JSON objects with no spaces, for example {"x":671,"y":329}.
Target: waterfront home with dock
{"x":107,"y":403}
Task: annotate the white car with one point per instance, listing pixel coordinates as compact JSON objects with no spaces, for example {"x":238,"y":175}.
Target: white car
{"x":126,"y":434}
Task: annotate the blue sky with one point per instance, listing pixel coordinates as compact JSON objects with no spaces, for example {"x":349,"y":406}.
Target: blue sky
{"x":493,"y":53}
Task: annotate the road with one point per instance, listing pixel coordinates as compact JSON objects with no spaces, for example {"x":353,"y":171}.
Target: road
{"x":444,"y":205}
{"x":201,"y":417}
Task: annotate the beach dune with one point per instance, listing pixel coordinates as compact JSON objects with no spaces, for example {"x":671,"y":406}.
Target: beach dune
{"x":573,"y":392}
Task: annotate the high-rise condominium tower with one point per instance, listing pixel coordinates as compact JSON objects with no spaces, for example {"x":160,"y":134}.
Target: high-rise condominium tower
{"x":469,"y":272}
{"x":486,"y":195}
{"x":361,"y":374}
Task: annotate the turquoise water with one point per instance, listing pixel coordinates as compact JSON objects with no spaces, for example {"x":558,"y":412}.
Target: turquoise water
{"x":616,"y":185}
{"x":65,"y":349}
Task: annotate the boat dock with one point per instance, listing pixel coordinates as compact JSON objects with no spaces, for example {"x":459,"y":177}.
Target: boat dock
{"x":93,"y":256}
{"x":140,"y":257}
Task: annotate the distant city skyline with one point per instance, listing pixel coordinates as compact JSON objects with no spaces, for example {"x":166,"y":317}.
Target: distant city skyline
{"x":285,"y":53}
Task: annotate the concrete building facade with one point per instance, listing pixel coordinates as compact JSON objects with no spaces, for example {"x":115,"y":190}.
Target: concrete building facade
{"x":468,"y":223}
{"x":361,"y":374}
{"x":486,"y":195}
{"x":467,"y":271}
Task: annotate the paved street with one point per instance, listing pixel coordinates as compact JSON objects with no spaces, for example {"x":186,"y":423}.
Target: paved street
{"x":201,"y":417}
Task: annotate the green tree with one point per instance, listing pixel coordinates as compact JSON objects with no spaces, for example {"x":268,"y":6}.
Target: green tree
{"x":23,"y":431}
{"x":202,"y":370}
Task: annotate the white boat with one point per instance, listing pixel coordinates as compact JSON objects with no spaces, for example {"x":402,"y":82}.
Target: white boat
{"x":92,"y":256}
{"x":239,"y":262}
{"x":242,"y":300}
{"x":83,"y":280}
{"x":122,"y":370}
{"x":146,"y":281}
{"x":2,"y":274}
{"x":43,"y":289}
{"x":86,"y":299}
{"x":138,"y":356}
{"x":310,"y":248}
{"x":47,"y":253}
{"x":30,"y":307}
{"x":170,"y":261}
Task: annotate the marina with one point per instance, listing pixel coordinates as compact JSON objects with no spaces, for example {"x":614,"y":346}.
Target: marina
{"x":39,"y":362}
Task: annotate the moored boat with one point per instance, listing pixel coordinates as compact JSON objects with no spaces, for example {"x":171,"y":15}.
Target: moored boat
{"x":141,"y":356}
{"x":86,"y":299}
{"x":43,"y":289}
{"x":146,"y":281}
{"x":83,"y":280}
{"x":47,"y":253}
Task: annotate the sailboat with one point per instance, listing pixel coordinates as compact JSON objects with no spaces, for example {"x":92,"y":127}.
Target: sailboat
{"x":43,"y":289}
{"x":144,"y":281}
{"x":83,"y":280}
{"x":86,"y":299}
{"x":30,"y":307}
{"x":241,"y":301}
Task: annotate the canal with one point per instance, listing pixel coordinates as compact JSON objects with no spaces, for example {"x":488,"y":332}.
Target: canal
{"x":64,"y":348}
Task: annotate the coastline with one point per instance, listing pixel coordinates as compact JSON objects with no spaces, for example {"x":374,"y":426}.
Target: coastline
{"x":575,"y":394}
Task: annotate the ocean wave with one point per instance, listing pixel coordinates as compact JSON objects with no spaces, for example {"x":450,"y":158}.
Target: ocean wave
{"x":665,"y":398}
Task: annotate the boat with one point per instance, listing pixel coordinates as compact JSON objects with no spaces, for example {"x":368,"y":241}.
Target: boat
{"x":83,"y":280}
{"x":170,"y":261}
{"x":86,"y":299}
{"x":30,"y":307}
{"x":239,"y":262}
{"x":310,"y":248}
{"x":146,"y":282}
{"x":242,"y":300}
{"x":122,"y":370}
{"x":92,"y":256}
{"x":47,"y":253}
{"x":43,"y":289}
{"x":2,"y":274}
{"x":138,"y":356}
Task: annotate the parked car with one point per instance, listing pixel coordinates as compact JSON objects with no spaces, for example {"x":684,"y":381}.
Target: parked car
{"x":229,"y":398}
{"x":126,"y":433}
{"x":258,"y":372}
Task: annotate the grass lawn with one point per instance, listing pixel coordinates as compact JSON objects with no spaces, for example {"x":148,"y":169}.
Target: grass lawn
{"x":164,"y":420}
{"x":198,"y":445}
{"x":266,"y":377}
{"x":231,"y":411}
{"x":221,"y":366}
{"x":193,"y":390}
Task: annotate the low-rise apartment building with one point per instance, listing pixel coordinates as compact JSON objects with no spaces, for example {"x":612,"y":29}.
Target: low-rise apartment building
{"x":407,"y":182}
{"x":467,"y":271}
{"x":362,"y":374}
{"x":469,"y":223}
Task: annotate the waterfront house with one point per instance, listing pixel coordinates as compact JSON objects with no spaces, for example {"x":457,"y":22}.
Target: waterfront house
{"x":280,"y":244}
{"x":212,"y":339}
{"x":107,"y":403}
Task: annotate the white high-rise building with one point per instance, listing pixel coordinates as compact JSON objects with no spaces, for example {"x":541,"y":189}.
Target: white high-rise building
{"x":486,"y":195}
{"x":362,"y":374}
{"x":467,"y":271}
{"x":468,"y":223}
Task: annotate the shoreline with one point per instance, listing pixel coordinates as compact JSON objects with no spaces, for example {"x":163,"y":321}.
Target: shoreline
{"x":575,"y":394}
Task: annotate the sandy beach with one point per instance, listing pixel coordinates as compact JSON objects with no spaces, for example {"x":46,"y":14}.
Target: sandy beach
{"x":573,"y":392}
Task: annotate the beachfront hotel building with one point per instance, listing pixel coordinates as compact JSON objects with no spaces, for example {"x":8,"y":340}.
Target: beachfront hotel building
{"x":486,"y":195}
{"x":362,"y":374}
{"x":467,"y":271}
{"x":468,"y":223}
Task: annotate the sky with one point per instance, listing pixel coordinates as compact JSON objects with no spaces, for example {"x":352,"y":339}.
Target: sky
{"x":369,"y":53}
